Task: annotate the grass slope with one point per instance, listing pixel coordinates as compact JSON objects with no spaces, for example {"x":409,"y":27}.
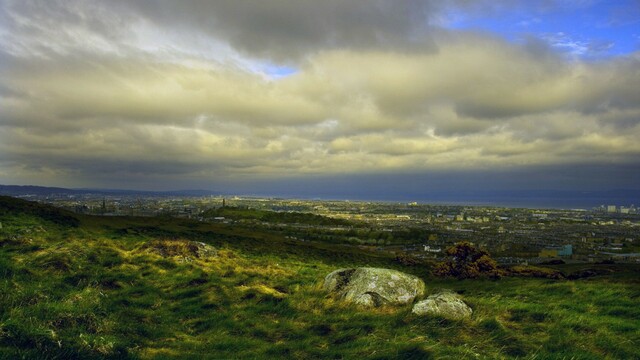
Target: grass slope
{"x":137,"y":288}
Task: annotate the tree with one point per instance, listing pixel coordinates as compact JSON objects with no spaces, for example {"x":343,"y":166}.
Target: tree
{"x":466,"y":261}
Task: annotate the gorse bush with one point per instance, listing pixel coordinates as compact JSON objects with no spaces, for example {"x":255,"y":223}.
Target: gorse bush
{"x":467,"y":262}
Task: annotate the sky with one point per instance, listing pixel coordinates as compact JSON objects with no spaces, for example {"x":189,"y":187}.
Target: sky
{"x":301,"y":97}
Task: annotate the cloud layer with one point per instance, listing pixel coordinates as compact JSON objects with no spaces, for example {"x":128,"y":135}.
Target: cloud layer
{"x":110,"y":92}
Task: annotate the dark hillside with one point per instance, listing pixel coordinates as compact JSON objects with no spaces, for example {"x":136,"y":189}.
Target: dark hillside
{"x":14,"y":206}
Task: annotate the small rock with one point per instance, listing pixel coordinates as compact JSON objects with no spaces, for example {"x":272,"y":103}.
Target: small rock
{"x":205,"y":250}
{"x":446,"y":304}
{"x":183,"y":248}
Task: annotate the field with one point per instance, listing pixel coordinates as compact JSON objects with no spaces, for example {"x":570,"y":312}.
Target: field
{"x":106,"y":287}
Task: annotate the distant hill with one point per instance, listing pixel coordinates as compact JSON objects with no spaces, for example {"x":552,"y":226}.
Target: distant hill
{"x":20,"y":190}
{"x":17,"y":190}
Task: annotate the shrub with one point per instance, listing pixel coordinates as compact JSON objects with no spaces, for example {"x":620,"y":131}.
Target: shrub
{"x":466,"y":261}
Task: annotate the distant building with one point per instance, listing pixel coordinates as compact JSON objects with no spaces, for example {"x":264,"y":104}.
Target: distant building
{"x":611,"y":208}
{"x":566,"y":250}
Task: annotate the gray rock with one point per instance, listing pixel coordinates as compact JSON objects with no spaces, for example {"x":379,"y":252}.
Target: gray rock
{"x":205,"y":250}
{"x":185,"y":249}
{"x":446,"y":304}
{"x":374,"y":286}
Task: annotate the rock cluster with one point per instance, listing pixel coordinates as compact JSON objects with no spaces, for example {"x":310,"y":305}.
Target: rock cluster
{"x":372,"y":287}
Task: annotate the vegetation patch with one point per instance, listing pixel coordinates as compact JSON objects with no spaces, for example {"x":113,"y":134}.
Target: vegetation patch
{"x":535,"y":271}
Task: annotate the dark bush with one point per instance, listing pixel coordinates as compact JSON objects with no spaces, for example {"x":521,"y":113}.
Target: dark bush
{"x":467,"y":262}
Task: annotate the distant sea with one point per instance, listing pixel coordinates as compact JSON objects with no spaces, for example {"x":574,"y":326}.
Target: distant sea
{"x":535,"y":200}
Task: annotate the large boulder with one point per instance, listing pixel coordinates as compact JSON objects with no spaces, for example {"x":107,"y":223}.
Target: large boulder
{"x":374,"y":286}
{"x":446,"y":304}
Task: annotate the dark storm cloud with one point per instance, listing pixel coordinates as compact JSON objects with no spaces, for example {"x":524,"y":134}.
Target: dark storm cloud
{"x":289,"y":29}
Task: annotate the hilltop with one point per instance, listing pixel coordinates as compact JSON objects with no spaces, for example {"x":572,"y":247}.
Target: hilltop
{"x":78,"y":286}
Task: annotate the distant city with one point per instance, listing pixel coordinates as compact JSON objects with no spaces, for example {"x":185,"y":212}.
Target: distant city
{"x":606,"y":232}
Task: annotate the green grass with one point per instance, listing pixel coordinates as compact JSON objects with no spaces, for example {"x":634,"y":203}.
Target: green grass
{"x":101,"y":290}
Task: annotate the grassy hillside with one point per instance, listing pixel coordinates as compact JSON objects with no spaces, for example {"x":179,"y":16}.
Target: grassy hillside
{"x":142,"y":288}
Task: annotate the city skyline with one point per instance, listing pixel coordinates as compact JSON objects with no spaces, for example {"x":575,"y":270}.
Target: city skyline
{"x":405,"y":98}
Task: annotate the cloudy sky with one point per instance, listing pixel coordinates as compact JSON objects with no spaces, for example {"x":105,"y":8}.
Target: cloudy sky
{"x":321,"y":96}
